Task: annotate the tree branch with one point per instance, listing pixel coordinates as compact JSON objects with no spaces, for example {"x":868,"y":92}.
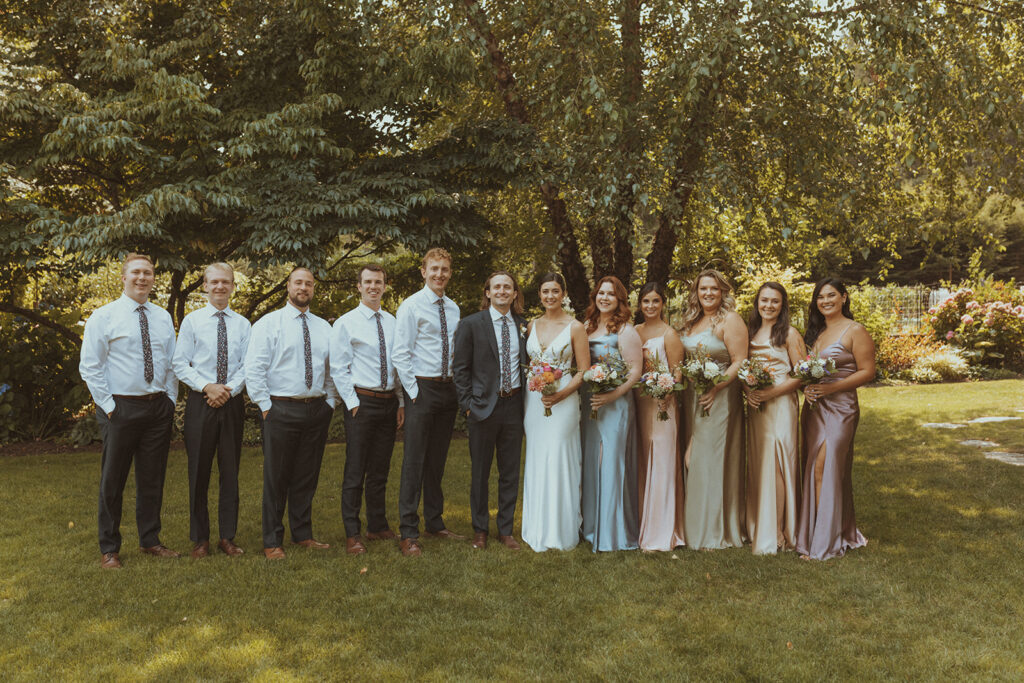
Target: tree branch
{"x":29,"y":314}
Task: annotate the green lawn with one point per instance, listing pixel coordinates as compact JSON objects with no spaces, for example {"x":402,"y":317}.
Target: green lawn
{"x":937,"y":593}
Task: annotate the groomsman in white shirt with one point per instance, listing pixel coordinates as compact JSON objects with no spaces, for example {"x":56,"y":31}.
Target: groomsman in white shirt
{"x":365,"y":377}
{"x":126,"y":363}
{"x":288,"y":376}
{"x":208,"y":359}
{"x":424,"y":342}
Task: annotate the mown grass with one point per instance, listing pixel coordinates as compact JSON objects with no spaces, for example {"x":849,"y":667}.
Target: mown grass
{"x":937,"y":593}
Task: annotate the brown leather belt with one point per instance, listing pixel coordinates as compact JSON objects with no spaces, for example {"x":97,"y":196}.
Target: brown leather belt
{"x":296,"y":399}
{"x":509,"y":394}
{"x":436,"y":379}
{"x":142,"y":397}
{"x":374,"y":394}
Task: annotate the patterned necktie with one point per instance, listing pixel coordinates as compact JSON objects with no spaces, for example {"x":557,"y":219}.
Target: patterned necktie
{"x":506,"y":357}
{"x":147,"y":348}
{"x":307,"y":349}
{"x":222,"y":348}
{"x":444,"y":338}
{"x":383,"y":354}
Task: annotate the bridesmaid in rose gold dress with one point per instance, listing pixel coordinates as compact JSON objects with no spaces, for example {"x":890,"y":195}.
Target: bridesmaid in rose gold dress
{"x":773,"y":458}
{"x":827,"y":526}
{"x":660,"y":473}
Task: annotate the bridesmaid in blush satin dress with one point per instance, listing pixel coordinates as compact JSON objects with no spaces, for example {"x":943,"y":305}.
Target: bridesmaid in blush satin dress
{"x":659,"y":469}
{"x":609,"y":440}
{"x":827,"y":526}
{"x":773,"y":459}
{"x":714,"y":452}
{"x":551,"y":485}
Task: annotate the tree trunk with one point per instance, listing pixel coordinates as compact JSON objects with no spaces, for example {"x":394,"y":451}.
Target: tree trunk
{"x":631,"y":92}
{"x":176,"y":300}
{"x":558,"y":214}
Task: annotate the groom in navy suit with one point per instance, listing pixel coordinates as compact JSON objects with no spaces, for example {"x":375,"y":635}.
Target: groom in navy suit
{"x":490,"y":352}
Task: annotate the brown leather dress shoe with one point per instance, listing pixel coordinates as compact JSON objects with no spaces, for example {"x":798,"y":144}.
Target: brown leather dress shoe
{"x":444,"y":533}
{"x":273,"y":553}
{"x":229,"y":548}
{"x":312,"y":543}
{"x":385,"y":535}
{"x":354,"y":545}
{"x":510,"y":542}
{"x":410,"y":547}
{"x":160,"y":551}
{"x":110,"y":561}
{"x":480,"y":540}
{"x":201,"y":549}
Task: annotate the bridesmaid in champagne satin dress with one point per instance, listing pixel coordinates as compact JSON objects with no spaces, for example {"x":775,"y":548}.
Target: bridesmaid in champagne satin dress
{"x":660,"y":472}
{"x":552,"y":479}
{"x":773,"y":459}
{"x":609,"y":440}
{"x":714,"y":450}
{"x":827,"y":526}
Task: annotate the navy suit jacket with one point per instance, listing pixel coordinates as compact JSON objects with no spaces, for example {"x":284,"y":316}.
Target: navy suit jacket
{"x":476,"y":365}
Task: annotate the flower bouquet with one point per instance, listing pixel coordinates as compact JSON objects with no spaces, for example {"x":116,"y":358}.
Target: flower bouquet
{"x":543,"y":377}
{"x":704,"y":373}
{"x":658,"y":383}
{"x":608,"y":372}
{"x":754,"y":374}
{"x":812,"y":370}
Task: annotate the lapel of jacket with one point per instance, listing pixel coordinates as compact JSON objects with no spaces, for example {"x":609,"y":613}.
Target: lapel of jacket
{"x":488,"y":333}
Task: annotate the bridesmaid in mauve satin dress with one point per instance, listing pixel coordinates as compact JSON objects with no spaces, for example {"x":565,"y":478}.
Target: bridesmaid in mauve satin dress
{"x":773,"y":457}
{"x":714,"y":453}
{"x":659,"y":470}
{"x":827,"y":526}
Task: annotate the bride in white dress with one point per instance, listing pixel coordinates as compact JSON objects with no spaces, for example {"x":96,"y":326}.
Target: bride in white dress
{"x":551,"y":488}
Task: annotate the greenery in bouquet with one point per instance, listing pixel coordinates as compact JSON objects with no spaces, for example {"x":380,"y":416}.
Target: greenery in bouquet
{"x":703,"y":372}
{"x":543,"y":377}
{"x":610,"y":371}
{"x":812,"y":370}
{"x":755,"y":374}
{"x":658,"y":383}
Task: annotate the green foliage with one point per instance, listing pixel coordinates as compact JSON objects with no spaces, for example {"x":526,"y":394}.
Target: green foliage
{"x":985,"y":319}
{"x":897,"y":353}
{"x":39,"y":370}
{"x":944,"y":364}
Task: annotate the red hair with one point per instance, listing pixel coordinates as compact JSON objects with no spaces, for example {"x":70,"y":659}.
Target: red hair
{"x":620,"y":316}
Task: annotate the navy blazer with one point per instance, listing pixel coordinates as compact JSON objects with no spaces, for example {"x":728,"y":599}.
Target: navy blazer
{"x":476,"y":364}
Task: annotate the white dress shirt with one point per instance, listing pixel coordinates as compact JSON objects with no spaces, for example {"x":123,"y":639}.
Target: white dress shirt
{"x":112,"y":361}
{"x":513,"y":346}
{"x":275,"y":362}
{"x":355,"y":354}
{"x":418,"y":338}
{"x":195,"y":354}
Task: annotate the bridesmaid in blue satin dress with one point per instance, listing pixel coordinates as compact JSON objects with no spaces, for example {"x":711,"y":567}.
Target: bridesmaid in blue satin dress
{"x":827,"y":526}
{"x":610,"y":488}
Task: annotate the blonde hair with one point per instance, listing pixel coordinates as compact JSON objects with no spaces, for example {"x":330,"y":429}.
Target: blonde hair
{"x":219,"y":265}
{"x":132,"y":256}
{"x":695,"y":312}
{"x":437,"y":253}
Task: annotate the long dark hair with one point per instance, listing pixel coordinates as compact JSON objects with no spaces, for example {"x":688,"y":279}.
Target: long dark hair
{"x":815,"y":320}
{"x":551,"y":277}
{"x":780,"y":330}
{"x":658,"y":289}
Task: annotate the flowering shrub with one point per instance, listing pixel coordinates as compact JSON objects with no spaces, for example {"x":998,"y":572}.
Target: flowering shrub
{"x":896,"y":354}
{"x":945,"y":364}
{"x":985,"y":321}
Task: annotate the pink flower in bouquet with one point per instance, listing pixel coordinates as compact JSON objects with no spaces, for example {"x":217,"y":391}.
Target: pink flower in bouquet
{"x":666,"y":382}
{"x":598,"y":374}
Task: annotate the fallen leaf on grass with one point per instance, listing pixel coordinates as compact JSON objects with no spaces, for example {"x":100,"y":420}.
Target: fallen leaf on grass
{"x":364,"y":570}
{"x":674,"y":556}
{"x":184,"y":618}
{"x":707,"y":576}
{"x":71,"y":525}
{"x":789,"y":645}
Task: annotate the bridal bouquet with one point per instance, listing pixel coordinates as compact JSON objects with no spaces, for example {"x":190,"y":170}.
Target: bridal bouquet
{"x":812,"y":370}
{"x":754,"y":374}
{"x":704,"y":373}
{"x":609,"y":372}
{"x":658,"y":383}
{"x":543,"y":377}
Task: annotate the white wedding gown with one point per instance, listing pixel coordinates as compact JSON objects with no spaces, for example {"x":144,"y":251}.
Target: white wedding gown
{"x":554,"y":458}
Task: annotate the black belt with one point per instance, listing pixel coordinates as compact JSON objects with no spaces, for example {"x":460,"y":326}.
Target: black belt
{"x":510,"y":393}
{"x":436,"y":379}
{"x":296,"y":399}
{"x":141,"y":397}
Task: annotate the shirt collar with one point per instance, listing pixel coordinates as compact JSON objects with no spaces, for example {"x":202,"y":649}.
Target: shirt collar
{"x":431,"y":297}
{"x":367,"y":312}
{"x":293,"y":311}
{"x":213,"y":310}
{"x":133,"y":304}
{"x":496,"y":314}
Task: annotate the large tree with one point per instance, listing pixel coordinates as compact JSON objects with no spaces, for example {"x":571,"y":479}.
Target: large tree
{"x":671,"y":132}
